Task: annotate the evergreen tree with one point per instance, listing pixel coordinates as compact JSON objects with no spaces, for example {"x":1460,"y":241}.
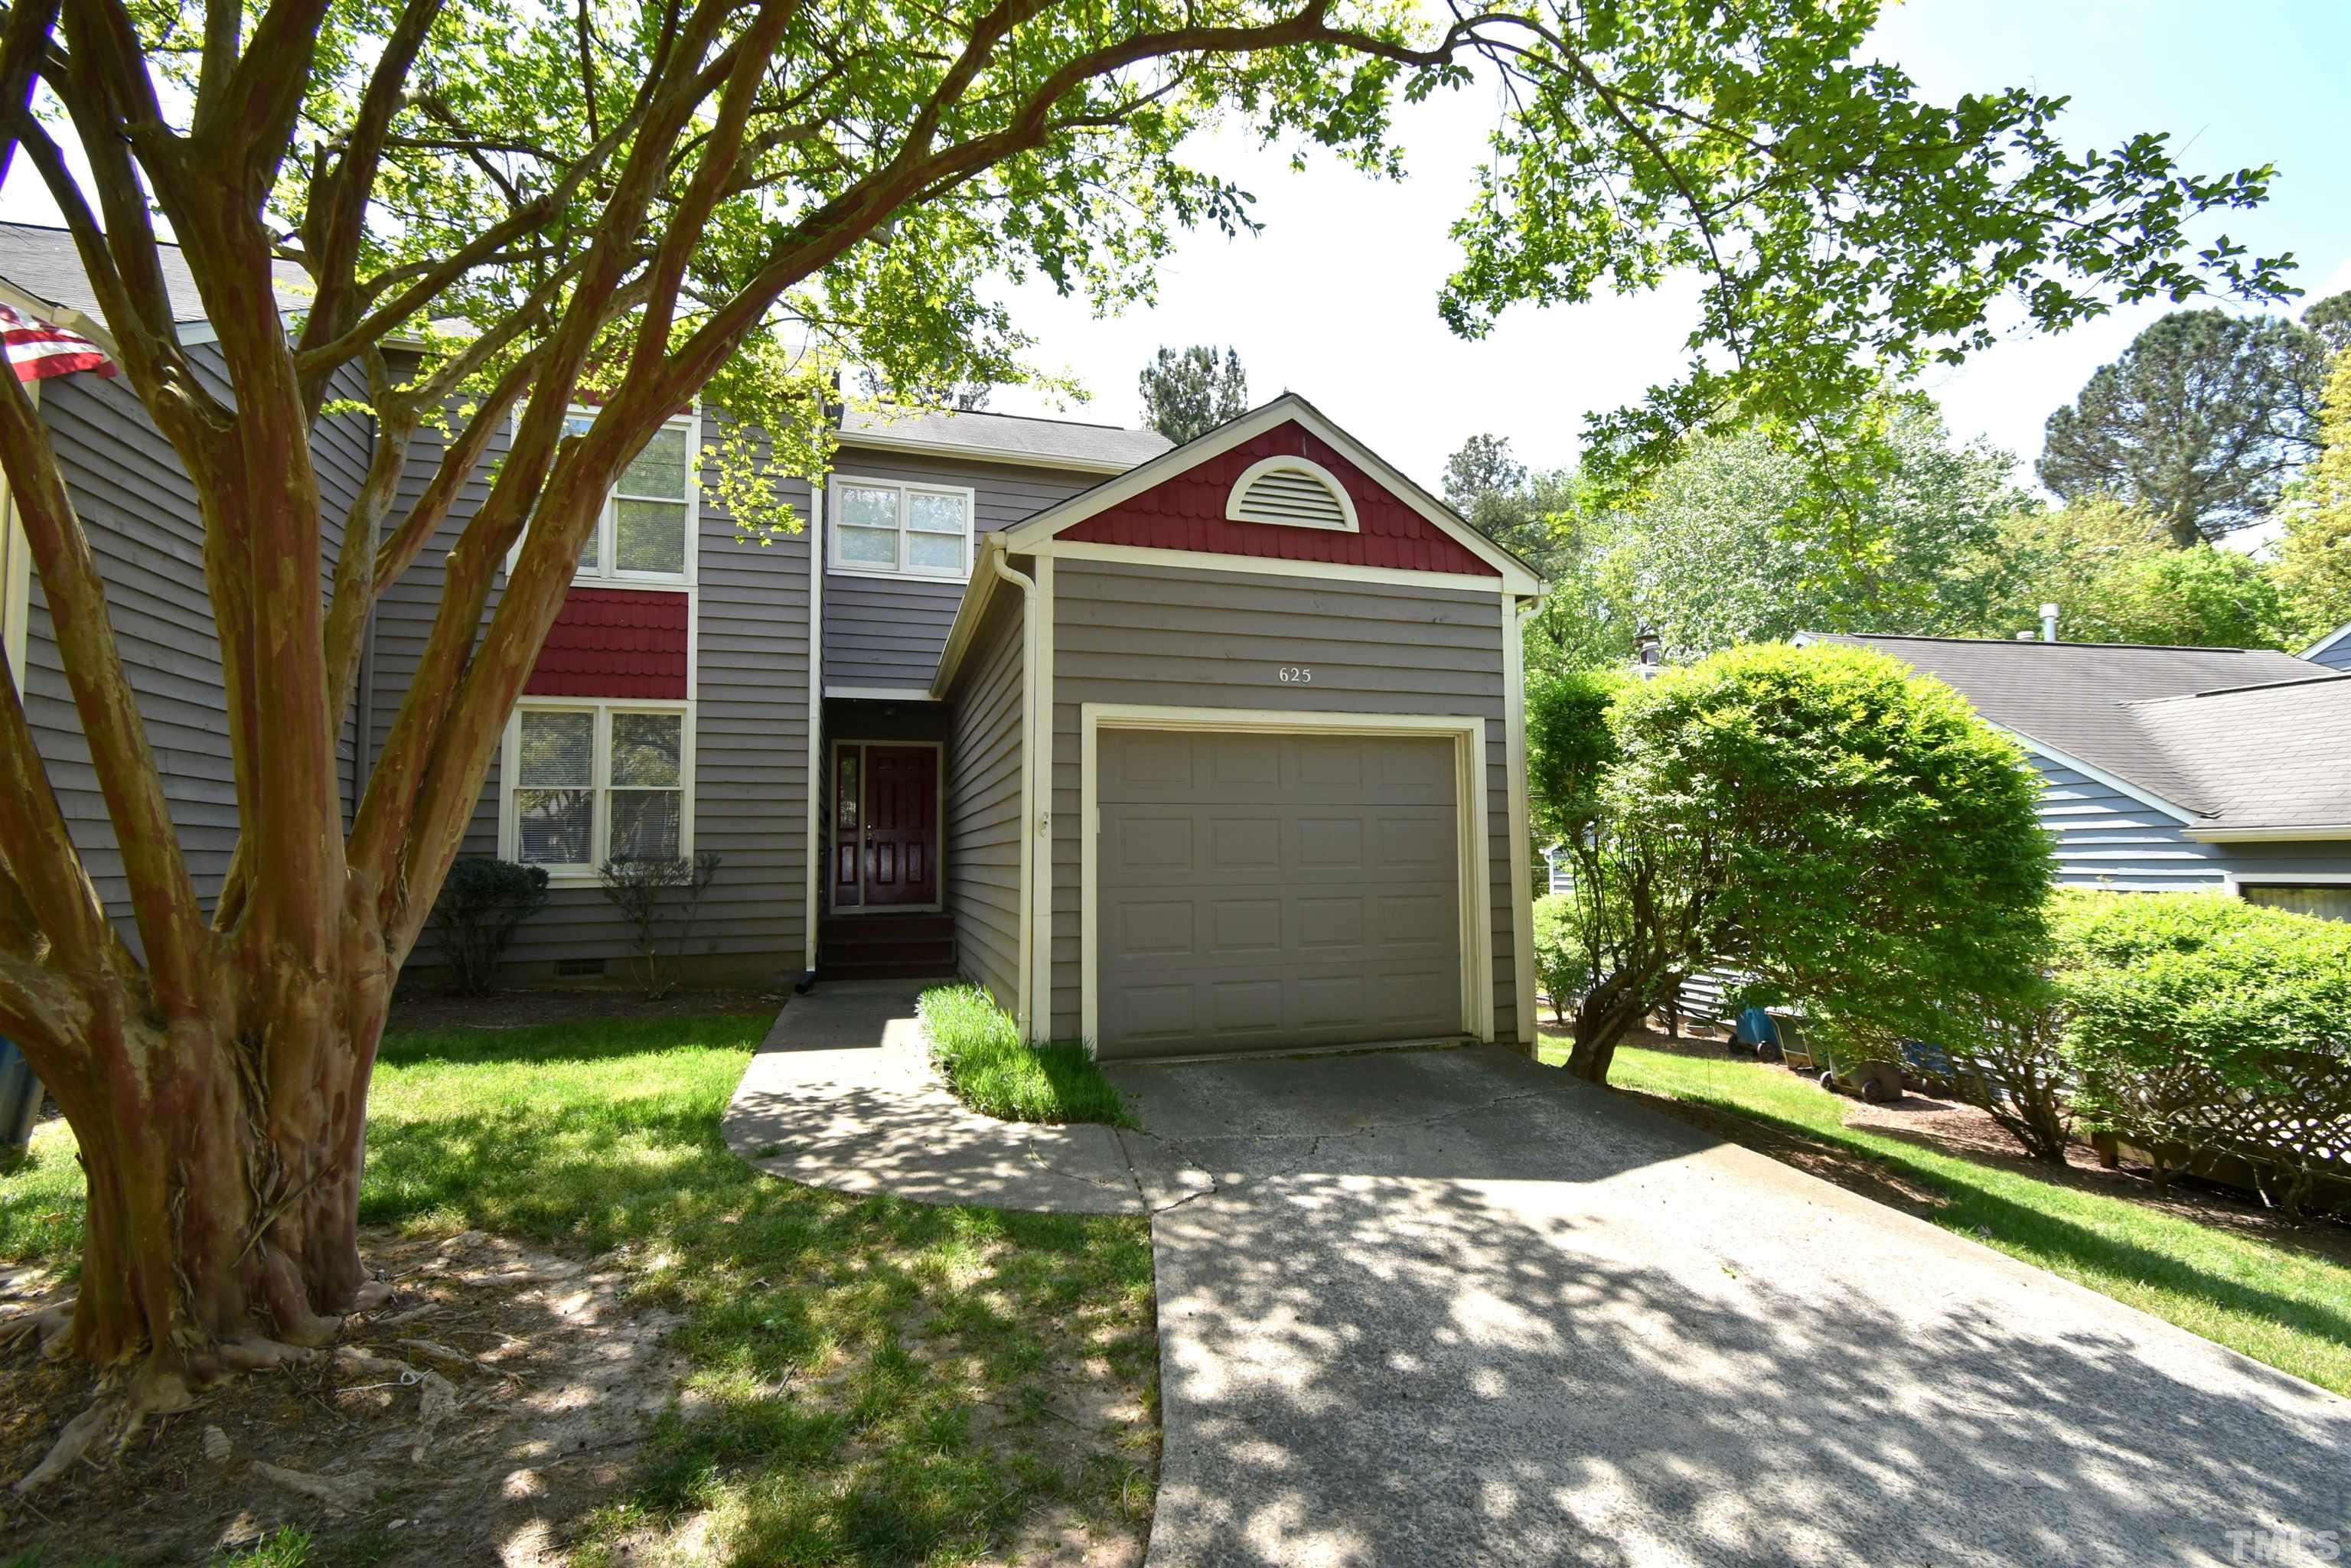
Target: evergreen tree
{"x":1187,"y":393}
{"x":2201,"y":422}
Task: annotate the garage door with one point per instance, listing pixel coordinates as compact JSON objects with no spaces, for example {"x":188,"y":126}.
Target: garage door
{"x":1260,"y":891}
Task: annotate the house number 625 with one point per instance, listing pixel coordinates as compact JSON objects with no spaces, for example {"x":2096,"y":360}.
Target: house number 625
{"x":1296,"y":675}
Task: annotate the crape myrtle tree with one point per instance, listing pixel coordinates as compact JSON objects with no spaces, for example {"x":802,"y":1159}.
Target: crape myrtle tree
{"x":1843,"y":832}
{"x":629,"y":206}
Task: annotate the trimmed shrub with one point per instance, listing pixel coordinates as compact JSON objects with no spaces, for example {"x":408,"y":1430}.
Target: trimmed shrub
{"x":2199,"y":1021}
{"x":1563,"y":960}
{"x":482,"y":901}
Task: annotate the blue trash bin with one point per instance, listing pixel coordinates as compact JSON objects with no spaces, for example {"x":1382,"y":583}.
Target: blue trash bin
{"x":20,"y":1100}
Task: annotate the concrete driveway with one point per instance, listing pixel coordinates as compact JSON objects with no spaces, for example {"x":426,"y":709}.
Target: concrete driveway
{"x":1449,"y":1307}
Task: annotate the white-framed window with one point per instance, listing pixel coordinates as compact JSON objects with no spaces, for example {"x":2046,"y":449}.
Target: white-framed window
{"x":646,"y":533}
{"x":584,"y":781}
{"x":882,"y":527}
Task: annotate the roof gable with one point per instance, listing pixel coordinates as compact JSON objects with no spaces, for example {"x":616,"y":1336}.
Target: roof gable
{"x":1179,"y":501}
{"x":1188,"y":512}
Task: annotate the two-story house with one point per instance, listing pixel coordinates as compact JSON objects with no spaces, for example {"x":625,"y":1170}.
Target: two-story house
{"x":1175,"y":749}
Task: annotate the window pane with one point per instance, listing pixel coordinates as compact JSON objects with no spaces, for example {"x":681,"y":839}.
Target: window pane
{"x":646,"y":748}
{"x":646,"y":825}
{"x":934,"y":514}
{"x":939,"y":552}
{"x":660,"y":468}
{"x":869,"y":506}
{"x":555,"y":826}
{"x":2326,"y":901}
{"x":558,"y":748}
{"x":847,"y":814}
{"x":650,"y":535}
{"x":578,"y":424}
{"x":869,"y":547}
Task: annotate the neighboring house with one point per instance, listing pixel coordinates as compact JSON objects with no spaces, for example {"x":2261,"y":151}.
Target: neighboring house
{"x":1210,"y":749}
{"x":2170,"y":768}
{"x":2334,"y":650}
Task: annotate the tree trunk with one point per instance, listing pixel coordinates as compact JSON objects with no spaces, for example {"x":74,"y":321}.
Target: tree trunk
{"x":223,"y":1165}
{"x":1608,"y":1012}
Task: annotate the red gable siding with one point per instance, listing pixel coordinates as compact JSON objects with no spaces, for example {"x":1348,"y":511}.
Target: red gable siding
{"x":614,"y":642}
{"x":1187,"y":513}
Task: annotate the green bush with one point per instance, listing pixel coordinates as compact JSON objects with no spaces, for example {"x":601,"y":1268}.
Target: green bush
{"x":2203,"y":1022}
{"x":482,"y":901}
{"x":1563,"y":960}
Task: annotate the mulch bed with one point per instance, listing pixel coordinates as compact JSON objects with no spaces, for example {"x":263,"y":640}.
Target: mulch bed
{"x":479,"y":1417}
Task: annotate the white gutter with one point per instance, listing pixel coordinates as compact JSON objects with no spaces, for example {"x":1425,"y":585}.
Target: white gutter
{"x":912,"y":447}
{"x":2269,"y":835}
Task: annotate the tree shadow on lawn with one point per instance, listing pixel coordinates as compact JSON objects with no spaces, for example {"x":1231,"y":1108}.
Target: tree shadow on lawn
{"x":1965,"y":1206}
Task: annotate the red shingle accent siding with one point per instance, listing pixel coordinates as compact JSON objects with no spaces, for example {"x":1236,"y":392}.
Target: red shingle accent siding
{"x":1187,"y":513}
{"x":614,"y":642}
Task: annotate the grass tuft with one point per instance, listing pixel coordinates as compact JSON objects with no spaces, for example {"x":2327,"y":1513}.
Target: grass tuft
{"x":2280,"y":1304}
{"x":992,"y":1070}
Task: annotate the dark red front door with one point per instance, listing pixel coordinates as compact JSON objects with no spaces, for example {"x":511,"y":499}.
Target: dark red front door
{"x":887,"y":852}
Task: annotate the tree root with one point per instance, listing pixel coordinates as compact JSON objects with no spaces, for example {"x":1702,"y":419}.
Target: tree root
{"x":342,"y":1493}
{"x":83,"y":1432}
{"x":437,"y":1397}
{"x":258,"y":1354}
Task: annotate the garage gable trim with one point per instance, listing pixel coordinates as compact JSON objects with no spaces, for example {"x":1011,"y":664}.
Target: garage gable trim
{"x":1475,"y":871}
{"x":1038,"y":532}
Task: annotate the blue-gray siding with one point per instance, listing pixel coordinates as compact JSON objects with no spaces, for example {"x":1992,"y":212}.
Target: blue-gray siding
{"x":138,"y":509}
{"x":750,"y":727}
{"x":887,"y":632}
{"x":983,"y":804}
{"x":2335,"y":656}
{"x":1173,"y":636}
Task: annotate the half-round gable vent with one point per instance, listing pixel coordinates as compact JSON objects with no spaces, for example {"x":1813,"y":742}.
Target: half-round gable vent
{"x":1293,"y":492}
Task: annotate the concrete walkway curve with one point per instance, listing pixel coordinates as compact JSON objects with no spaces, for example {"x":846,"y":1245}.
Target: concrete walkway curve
{"x":842,"y":1094}
{"x":1449,"y":1308}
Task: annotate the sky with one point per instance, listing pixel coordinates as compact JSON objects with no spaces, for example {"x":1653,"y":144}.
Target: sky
{"x":1336,"y":298}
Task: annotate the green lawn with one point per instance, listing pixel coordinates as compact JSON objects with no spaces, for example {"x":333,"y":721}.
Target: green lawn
{"x":840,"y":1346}
{"x":981,"y":1055}
{"x":2276,"y":1303}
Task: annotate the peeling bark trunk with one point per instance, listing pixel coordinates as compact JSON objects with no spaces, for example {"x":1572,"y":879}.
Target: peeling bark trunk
{"x":223,"y":1159}
{"x":1605,"y":1015}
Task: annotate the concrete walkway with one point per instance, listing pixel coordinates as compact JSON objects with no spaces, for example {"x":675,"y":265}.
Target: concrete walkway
{"x":1432,"y":1308}
{"x":842,"y":1094}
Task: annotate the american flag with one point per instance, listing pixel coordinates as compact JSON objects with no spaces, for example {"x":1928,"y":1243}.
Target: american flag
{"x":37,"y":351}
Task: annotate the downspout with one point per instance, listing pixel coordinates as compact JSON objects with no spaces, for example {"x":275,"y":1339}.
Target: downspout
{"x":1030,"y":635}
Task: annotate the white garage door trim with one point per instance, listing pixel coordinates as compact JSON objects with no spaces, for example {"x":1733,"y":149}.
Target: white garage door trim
{"x":1475,"y":872}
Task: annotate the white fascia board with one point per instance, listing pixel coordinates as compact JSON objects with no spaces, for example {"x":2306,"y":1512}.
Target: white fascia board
{"x":1025,"y":537}
{"x":988,"y":553}
{"x":2114,"y":781}
{"x":1269,"y":566}
{"x":2274,"y":835}
{"x":2340,"y":634}
{"x":870,"y":441}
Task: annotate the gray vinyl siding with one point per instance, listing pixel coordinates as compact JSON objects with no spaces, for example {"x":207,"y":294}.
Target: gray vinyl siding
{"x":2337,"y":657}
{"x":750,"y":721}
{"x":1215,"y":639}
{"x":138,"y":509}
{"x":882,"y":631}
{"x":2105,"y":838}
{"x":983,"y":804}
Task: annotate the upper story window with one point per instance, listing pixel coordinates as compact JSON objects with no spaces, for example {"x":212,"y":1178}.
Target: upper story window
{"x":882,"y":528}
{"x":646,"y":531}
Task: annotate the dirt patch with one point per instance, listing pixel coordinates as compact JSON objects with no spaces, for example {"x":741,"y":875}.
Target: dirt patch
{"x":520,"y":1009}
{"x":475,"y":1417}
